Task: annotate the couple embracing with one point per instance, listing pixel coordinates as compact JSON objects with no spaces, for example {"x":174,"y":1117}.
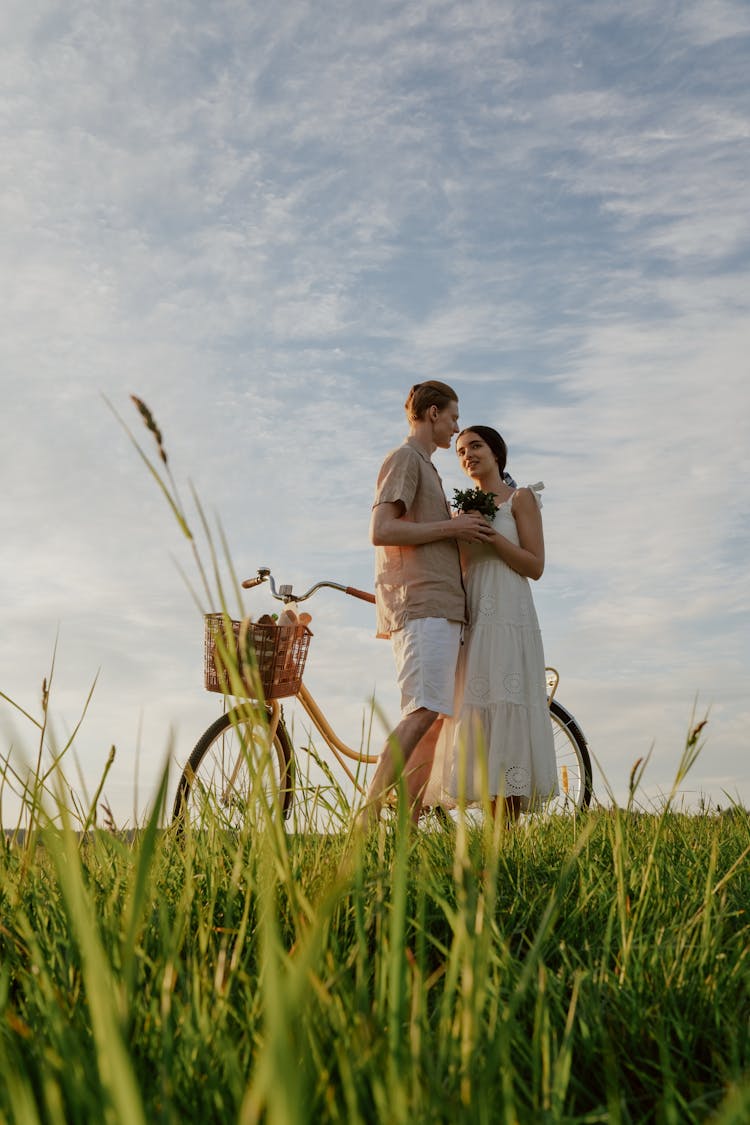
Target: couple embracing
{"x":452,"y":593}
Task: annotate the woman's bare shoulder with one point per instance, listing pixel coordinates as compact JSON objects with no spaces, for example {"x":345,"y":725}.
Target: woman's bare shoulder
{"x":525,"y":498}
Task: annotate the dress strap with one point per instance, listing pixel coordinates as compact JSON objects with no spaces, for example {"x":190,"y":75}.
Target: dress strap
{"x":534,"y":489}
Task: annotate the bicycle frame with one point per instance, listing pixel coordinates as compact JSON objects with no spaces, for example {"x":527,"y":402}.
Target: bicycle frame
{"x":338,"y":748}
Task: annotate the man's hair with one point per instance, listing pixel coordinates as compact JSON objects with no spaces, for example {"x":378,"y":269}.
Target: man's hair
{"x":424,"y":395}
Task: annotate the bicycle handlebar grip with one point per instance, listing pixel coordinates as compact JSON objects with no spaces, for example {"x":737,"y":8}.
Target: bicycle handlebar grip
{"x":250,"y":582}
{"x":361,"y":594}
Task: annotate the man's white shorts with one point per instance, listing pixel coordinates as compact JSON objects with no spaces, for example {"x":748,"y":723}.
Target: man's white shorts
{"x":426,"y":651}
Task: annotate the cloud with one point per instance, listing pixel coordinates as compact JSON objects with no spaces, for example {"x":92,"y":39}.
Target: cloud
{"x":268,"y":221}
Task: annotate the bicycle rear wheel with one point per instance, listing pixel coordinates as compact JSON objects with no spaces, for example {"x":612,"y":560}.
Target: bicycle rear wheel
{"x":573,"y":761}
{"x":233,"y":775}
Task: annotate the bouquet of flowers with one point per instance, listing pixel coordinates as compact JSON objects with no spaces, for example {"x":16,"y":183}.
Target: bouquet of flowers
{"x":474,"y":500}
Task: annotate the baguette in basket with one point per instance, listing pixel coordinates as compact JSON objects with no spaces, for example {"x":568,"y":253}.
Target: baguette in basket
{"x":275,"y":650}
{"x":290,"y":619}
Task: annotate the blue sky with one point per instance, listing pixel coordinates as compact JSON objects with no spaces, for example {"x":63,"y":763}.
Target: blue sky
{"x":268,"y":221}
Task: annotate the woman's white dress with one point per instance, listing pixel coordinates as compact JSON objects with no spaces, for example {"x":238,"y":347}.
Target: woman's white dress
{"x":500,"y":739}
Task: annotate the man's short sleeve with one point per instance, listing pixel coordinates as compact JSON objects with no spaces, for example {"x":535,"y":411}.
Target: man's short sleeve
{"x":398,"y":479}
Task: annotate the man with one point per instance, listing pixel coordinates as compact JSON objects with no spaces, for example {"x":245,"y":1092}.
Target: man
{"x":420,"y":598}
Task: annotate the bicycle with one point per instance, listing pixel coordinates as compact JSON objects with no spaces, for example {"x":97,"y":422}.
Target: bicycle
{"x":263,"y":663}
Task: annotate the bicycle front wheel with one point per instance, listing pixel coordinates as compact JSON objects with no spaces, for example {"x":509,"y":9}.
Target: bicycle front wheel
{"x":573,"y":761}
{"x":234,"y":776}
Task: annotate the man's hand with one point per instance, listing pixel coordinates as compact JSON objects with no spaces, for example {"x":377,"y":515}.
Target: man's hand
{"x":472,"y":527}
{"x":388,"y":528}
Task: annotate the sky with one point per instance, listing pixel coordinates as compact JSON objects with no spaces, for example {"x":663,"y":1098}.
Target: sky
{"x":269,"y":220}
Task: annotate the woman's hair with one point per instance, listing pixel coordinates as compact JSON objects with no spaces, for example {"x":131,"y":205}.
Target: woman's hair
{"x":493,"y":440}
{"x":424,"y":395}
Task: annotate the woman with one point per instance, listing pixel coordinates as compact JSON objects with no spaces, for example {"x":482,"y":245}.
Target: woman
{"x":500,"y":741}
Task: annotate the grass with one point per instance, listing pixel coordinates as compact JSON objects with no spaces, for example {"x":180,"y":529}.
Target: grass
{"x":575,"y":969}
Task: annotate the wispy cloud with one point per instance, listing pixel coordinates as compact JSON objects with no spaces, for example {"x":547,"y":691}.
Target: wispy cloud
{"x":269,"y":220}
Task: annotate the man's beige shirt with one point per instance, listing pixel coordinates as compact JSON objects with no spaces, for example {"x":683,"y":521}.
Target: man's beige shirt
{"x":421,"y":581}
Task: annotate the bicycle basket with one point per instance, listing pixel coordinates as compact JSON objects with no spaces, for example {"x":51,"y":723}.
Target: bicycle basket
{"x":275,"y":659}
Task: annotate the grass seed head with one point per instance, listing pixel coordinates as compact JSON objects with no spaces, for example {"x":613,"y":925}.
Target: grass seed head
{"x":695,"y":732}
{"x":150,"y":422}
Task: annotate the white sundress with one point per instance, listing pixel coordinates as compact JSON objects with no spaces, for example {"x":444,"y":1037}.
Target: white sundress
{"x":501,"y":726}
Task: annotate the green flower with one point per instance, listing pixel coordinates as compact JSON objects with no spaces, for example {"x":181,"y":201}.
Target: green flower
{"x":474,"y":500}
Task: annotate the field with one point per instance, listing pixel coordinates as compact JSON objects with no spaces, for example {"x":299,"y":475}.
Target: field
{"x":580,"y":969}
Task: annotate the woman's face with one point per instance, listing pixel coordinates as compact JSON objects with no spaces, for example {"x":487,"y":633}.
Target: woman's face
{"x":474,"y":455}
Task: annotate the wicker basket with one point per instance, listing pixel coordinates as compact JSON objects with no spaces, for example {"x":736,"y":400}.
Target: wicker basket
{"x":277,"y":657}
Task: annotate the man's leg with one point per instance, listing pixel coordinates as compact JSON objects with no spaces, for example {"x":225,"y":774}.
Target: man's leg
{"x":425,"y":651}
{"x":399,"y":749}
{"x":420,"y":765}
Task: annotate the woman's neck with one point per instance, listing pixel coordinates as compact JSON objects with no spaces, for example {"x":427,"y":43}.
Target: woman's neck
{"x":494,"y":483}
{"x":490,"y":482}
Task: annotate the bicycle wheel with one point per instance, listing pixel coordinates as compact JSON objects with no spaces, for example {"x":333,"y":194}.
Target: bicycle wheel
{"x":232,"y":775}
{"x":573,"y":761}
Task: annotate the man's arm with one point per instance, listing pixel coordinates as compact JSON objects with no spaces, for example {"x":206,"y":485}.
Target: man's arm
{"x":388,"y":528}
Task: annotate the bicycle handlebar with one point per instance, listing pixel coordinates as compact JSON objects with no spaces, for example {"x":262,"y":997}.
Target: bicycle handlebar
{"x":286,"y":595}
{"x":363,"y":595}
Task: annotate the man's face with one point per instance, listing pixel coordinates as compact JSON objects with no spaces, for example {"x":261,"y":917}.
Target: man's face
{"x":445,"y":425}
